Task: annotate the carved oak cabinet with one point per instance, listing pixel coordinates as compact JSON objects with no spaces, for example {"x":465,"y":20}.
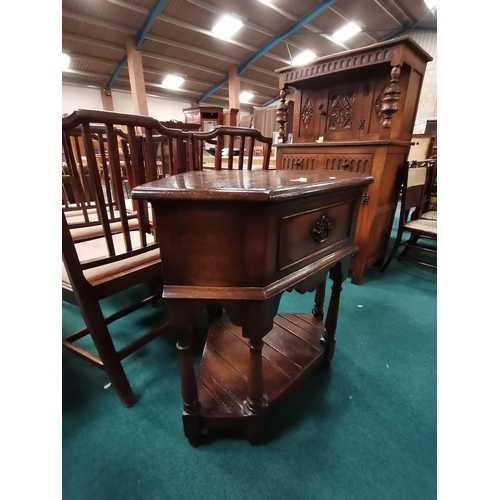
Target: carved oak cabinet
{"x":235,"y":241}
{"x":362,"y":105}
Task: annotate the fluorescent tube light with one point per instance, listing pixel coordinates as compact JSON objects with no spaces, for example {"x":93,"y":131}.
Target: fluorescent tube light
{"x":346,"y":32}
{"x":246,"y":96}
{"x":172,"y":81}
{"x":227,"y":26}
{"x":66,"y":60}
{"x":303,"y":58}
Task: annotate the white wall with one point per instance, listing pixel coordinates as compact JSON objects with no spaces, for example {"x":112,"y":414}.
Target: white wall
{"x":427,"y":106}
{"x":75,"y":97}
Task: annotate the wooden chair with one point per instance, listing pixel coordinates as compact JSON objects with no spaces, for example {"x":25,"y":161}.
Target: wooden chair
{"x":415,"y":181}
{"x":236,"y":138}
{"x":115,"y":260}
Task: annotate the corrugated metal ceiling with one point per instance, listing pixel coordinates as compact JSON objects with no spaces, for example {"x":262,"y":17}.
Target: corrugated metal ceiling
{"x":95,"y":32}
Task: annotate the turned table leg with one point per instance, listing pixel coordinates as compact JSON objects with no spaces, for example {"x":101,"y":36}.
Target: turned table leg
{"x":191,"y":404}
{"x":255,"y":405}
{"x":329,"y":339}
{"x":319,"y":300}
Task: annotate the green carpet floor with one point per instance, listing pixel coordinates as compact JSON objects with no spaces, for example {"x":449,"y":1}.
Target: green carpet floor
{"x":364,"y":429}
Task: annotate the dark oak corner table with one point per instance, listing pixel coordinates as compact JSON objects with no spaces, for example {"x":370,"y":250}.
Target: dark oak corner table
{"x":233,"y":241}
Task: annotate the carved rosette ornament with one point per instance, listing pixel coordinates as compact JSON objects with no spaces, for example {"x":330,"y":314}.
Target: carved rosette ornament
{"x":307,"y":113}
{"x":391,"y":97}
{"x":282,"y":115}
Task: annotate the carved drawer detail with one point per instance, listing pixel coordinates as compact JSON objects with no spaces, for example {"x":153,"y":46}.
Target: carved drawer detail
{"x":302,"y":162}
{"x":307,"y":234}
{"x":352,"y":163}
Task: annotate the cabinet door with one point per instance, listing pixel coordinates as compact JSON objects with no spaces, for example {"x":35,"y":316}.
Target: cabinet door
{"x":343,"y":113}
{"x":353,"y":162}
{"x":299,"y":162}
{"x":308,"y":116}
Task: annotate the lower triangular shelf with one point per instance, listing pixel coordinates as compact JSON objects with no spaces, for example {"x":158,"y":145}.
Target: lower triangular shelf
{"x":291,"y":351}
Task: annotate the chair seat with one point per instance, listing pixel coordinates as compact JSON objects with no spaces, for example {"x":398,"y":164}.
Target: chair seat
{"x":85,"y":233}
{"x":422,"y":225}
{"x":97,"y":248}
{"x":430,"y":215}
{"x":79,"y":213}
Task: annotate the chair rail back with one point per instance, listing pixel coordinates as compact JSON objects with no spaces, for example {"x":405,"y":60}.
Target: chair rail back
{"x":221,"y":135}
{"x":124,"y":146}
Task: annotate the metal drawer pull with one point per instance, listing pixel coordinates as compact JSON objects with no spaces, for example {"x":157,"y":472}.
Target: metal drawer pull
{"x":346,"y":165}
{"x":297,"y":163}
{"x":321,"y":230}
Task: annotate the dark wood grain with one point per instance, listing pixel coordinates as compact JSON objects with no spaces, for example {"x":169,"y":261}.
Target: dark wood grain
{"x":361,"y":104}
{"x":236,"y":241}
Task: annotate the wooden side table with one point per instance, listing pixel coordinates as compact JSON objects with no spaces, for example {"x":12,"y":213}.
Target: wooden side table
{"x":234,"y":241}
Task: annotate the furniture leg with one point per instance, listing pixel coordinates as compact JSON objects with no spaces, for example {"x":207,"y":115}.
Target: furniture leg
{"x":329,"y":335}
{"x":412,"y":241}
{"x":319,"y":300}
{"x":189,"y":390}
{"x":397,"y":244}
{"x":254,"y":405}
{"x":99,"y":332}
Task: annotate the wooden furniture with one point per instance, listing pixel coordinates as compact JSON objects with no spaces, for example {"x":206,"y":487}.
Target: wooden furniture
{"x":207,"y":116}
{"x":420,"y":225}
{"x":181,"y":125}
{"x":362,"y":105}
{"x":234,"y":137}
{"x":238,"y":240}
{"x":122,"y":250}
{"x":422,"y":147}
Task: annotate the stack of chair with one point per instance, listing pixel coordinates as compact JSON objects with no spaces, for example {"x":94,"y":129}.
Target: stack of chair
{"x":416,"y":215}
{"x":107,"y":246}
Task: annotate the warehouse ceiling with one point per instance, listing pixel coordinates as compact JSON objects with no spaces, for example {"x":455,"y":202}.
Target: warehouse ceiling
{"x":176,"y":37}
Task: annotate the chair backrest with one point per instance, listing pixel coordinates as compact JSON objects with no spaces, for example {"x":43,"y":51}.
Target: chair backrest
{"x":421,"y":148}
{"x":235,"y":138}
{"x":100,"y":136}
{"x":415,"y":186}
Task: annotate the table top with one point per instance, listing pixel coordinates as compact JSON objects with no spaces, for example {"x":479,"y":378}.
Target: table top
{"x":248,"y":185}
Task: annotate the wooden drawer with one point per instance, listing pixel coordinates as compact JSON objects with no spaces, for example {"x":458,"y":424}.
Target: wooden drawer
{"x":361,"y":163}
{"x":299,"y":162}
{"x":307,"y":234}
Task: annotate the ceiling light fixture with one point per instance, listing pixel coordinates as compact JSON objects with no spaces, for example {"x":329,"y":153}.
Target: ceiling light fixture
{"x":303,"y":58}
{"x":227,"y":26}
{"x":346,"y":32}
{"x":246,"y":96}
{"x":66,"y":61}
{"x":172,"y":81}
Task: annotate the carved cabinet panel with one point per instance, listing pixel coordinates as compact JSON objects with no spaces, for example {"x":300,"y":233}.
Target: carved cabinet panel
{"x":299,"y":162}
{"x":361,"y":163}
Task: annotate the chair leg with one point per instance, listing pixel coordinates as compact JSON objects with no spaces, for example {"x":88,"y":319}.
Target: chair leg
{"x":397,"y":243}
{"x":412,"y":241}
{"x":99,"y":332}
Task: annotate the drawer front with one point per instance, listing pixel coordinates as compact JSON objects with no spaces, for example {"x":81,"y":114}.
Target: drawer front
{"x":361,"y":163}
{"x":320,"y":230}
{"x":299,"y":162}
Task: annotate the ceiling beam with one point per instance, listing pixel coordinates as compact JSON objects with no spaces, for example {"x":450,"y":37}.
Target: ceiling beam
{"x":153,"y":71}
{"x":388,"y":12}
{"x":348,"y":19}
{"x":197,"y":29}
{"x":246,"y":22}
{"x":243,"y":66}
{"x":139,"y":38}
{"x":98,"y":22}
{"x":308,"y":26}
{"x":93,"y":41}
